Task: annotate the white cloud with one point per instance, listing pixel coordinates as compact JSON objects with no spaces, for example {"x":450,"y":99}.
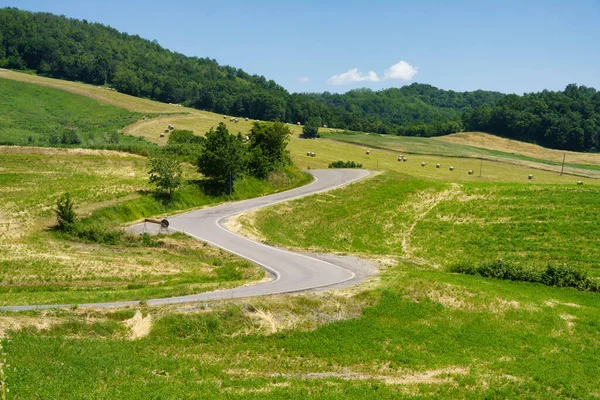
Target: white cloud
{"x":400,"y":71}
{"x":352,"y":76}
{"x":303,"y":79}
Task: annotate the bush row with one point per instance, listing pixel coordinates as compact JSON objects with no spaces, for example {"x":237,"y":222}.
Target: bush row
{"x":552,"y":275}
{"x":345,"y":164}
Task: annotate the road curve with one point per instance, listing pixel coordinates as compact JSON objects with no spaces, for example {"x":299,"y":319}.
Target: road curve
{"x":292,"y":272}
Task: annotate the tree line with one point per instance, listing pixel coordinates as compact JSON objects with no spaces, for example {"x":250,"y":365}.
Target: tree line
{"x":222,"y":157}
{"x":567,"y":120}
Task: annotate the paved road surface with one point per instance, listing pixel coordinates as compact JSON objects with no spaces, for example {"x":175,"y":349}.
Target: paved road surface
{"x":292,"y":272}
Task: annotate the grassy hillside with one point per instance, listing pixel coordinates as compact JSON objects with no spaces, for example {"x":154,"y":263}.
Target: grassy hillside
{"x":441,"y":223}
{"x":43,"y":116}
{"x":415,"y":331}
{"x":37,"y":265}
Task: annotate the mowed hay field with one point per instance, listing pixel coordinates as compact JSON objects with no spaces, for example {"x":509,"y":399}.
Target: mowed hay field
{"x":491,"y":142}
{"x":503,"y":167}
{"x":38,"y":266}
{"x":502,"y":150}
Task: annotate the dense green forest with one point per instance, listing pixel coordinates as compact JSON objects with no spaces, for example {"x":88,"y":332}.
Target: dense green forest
{"x":65,"y":48}
{"x":563,"y":120}
{"x":70,"y":49}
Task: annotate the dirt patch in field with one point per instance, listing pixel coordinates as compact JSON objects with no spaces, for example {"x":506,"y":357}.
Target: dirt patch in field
{"x":554,"y":303}
{"x":436,"y":376}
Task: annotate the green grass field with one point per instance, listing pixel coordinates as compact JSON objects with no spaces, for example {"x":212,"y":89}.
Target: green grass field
{"x":41,"y":116}
{"x":415,"y":330}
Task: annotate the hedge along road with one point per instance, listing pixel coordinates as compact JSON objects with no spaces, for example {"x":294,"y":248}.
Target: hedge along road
{"x":293,"y":272}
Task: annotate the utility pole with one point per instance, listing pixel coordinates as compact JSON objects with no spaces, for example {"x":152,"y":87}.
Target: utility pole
{"x":563,"y":164}
{"x":480,"y":165}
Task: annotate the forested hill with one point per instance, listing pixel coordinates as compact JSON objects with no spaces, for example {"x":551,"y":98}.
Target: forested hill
{"x":567,"y":120}
{"x":70,"y":49}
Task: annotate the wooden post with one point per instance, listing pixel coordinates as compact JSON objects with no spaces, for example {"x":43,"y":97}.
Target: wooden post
{"x":563,"y":164}
{"x":480,"y":165}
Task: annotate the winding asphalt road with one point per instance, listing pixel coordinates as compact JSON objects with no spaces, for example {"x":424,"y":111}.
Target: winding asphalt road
{"x":293,"y":272}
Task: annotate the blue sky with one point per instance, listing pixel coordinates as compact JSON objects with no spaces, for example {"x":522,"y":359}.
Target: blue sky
{"x":314,"y":46}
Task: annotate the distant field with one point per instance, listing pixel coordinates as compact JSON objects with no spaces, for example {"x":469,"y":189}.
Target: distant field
{"x":575,"y":163}
{"x":508,"y":168}
{"x":492,"y":142}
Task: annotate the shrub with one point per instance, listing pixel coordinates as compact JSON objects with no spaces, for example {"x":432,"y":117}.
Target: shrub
{"x":552,"y":275}
{"x":65,"y":214}
{"x":345,"y":164}
{"x":166,"y":174}
{"x":310,"y":130}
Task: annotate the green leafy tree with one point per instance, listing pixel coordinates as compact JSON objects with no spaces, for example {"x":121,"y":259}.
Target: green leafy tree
{"x":311,"y":129}
{"x":268,"y":148}
{"x":223,"y":156}
{"x":65,"y":214}
{"x":166,"y":174}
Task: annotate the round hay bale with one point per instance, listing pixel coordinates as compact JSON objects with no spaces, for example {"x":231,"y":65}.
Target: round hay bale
{"x":530,"y":176}
{"x":404,"y":159}
{"x":451,"y":168}
{"x":437,"y":165}
{"x":162,"y":135}
{"x":579,"y":183}
{"x":312,"y":154}
{"x":423,"y":164}
{"x":400,"y":158}
{"x":470,"y":172}
{"x":308,"y":153}
{"x":247,"y":119}
{"x":298,"y":123}
{"x":224,"y":116}
{"x":368,"y":152}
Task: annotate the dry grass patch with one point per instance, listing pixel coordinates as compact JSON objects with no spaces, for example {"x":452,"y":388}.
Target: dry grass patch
{"x":140,"y":326}
{"x":492,"y":142}
{"x":19,"y":322}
